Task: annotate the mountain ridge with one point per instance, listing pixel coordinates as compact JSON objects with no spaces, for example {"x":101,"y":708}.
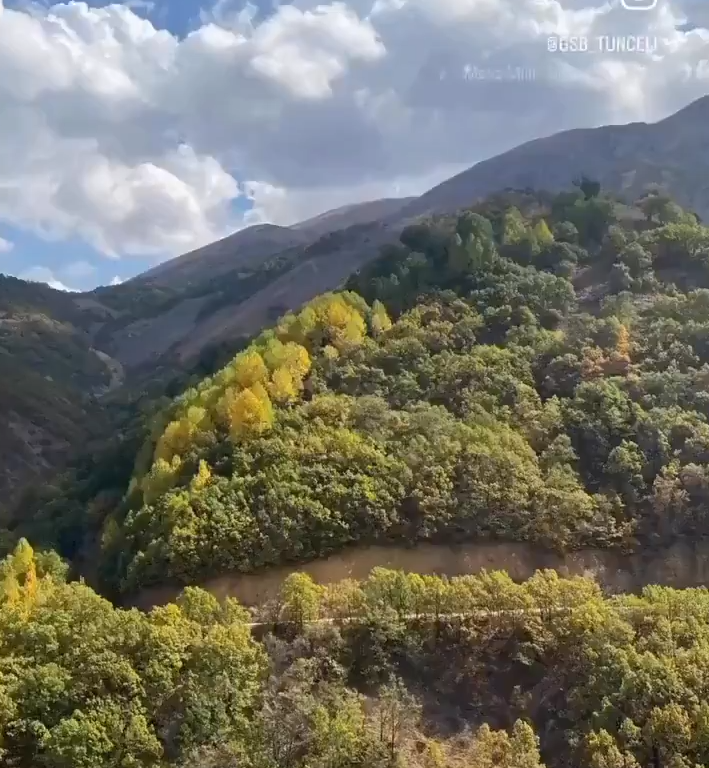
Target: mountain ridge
{"x":193,"y":311}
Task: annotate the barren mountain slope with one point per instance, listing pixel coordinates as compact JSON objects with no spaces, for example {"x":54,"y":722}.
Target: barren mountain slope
{"x":242,"y":249}
{"x":623,"y":158}
{"x":349,"y":215}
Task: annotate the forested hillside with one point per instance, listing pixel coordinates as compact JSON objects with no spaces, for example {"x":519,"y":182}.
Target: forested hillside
{"x":531,"y":370}
{"x":397,"y":671}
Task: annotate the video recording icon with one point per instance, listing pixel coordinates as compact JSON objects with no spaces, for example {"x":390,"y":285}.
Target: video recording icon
{"x":638,"y":5}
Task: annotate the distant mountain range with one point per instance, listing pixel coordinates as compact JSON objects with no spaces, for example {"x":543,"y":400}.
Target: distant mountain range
{"x":188,"y":313}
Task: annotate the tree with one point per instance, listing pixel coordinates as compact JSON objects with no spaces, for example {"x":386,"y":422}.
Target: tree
{"x":556,"y":256}
{"x":603,"y":752}
{"x":514,"y":230}
{"x":112,"y":687}
{"x":475,"y":253}
{"x":380,"y":319}
{"x":543,"y":234}
{"x":202,"y":478}
{"x":249,"y":369}
{"x":344,"y":600}
{"x":636,"y":261}
{"x":566,"y":232}
{"x":397,"y":716}
{"x":162,"y":477}
{"x":248,"y":411}
{"x":660,"y":207}
{"x":588,"y":187}
{"x":301,"y":598}
{"x":497,"y":749}
{"x":282,"y":387}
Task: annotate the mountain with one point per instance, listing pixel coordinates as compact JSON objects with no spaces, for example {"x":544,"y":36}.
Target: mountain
{"x":231,"y":288}
{"x":498,"y":424}
{"x":349,"y":215}
{"x":623,"y":158}
{"x":242,"y":249}
{"x":466,"y":403}
{"x":71,"y":362}
{"x":252,"y":245}
{"x":530,"y":370}
{"x":51,"y":379}
{"x":187,"y":316}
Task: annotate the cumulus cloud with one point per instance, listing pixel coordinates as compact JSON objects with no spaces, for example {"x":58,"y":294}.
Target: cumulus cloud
{"x":41,"y":274}
{"x":144,"y":143}
{"x":5,"y":245}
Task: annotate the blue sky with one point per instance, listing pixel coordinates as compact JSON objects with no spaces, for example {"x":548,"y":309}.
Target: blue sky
{"x":74,"y":263}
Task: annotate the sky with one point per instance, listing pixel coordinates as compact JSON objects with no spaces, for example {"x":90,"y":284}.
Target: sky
{"x":131,"y":133}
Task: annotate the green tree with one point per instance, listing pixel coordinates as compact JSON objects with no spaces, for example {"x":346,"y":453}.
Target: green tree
{"x":301,"y":598}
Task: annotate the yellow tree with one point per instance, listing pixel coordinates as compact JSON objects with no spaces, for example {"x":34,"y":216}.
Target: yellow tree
{"x":10,"y":590}
{"x":381,"y":321}
{"x":514,"y":227}
{"x":297,"y":360}
{"x":623,"y":342}
{"x":344,"y":600}
{"x":542,"y":233}
{"x":19,"y":578}
{"x":302,"y":328}
{"x":290,"y":355}
{"x":246,"y":412}
{"x":353,"y":333}
{"x":202,"y":478}
{"x":249,"y":369}
{"x":181,"y":434}
{"x":282,"y":387}
{"x":177,"y":438}
{"x":162,"y":476}
{"x":342,"y":324}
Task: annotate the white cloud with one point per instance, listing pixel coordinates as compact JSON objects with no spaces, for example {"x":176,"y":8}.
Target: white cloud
{"x":40,"y":274}
{"x":78,"y":270}
{"x":5,"y":245}
{"x":116,"y":280}
{"x":139,"y":142}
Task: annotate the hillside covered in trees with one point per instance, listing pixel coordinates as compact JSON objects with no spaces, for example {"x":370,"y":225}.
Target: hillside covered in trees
{"x":533,"y":369}
{"x":399,"y":670}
